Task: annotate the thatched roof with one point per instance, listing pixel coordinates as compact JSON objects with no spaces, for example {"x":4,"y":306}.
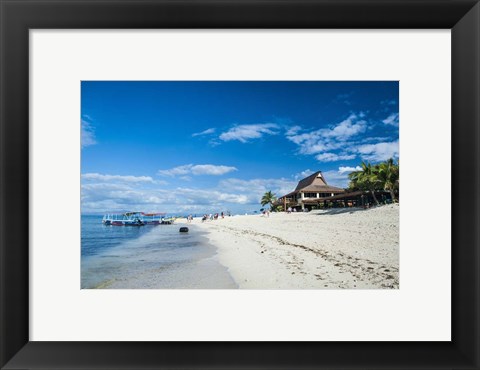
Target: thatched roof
{"x":316,"y":183}
{"x":314,"y":179}
{"x":289,"y":194}
{"x":322,"y":189}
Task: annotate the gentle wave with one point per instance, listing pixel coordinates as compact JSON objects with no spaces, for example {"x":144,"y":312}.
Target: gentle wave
{"x":155,"y":257}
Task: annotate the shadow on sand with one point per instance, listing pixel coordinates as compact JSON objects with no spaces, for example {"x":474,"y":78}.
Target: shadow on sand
{"x":336,"y":211}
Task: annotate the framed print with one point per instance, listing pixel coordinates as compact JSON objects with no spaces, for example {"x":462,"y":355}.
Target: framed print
{"x":132,"y":131}
{"x":187,"y":165}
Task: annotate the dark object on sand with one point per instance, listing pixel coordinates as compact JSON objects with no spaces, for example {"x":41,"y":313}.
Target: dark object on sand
{"x":184,"y":229}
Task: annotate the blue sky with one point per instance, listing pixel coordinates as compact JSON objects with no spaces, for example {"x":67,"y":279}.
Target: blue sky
{"x":195,"y":147}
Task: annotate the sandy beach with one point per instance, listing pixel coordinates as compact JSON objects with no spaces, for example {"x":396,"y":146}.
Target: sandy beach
{"x":324,"y":249}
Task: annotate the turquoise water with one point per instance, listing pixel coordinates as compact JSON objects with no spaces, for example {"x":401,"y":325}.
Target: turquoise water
{"x":97,"y":238}
{"x":148,"y":257}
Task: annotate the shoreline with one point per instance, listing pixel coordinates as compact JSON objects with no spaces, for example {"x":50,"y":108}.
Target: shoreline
{"x":161,"y":259}
{"x":327,"y":249}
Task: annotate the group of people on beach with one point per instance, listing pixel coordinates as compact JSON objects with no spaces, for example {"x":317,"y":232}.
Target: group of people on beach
{"x":290,"y":210}
{"x":212,"y":216}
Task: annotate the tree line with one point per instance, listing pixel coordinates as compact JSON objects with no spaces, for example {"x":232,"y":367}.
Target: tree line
{"x":381,"y":176}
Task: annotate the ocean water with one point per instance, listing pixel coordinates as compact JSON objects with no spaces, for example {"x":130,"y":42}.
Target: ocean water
{"x":148,"y":257}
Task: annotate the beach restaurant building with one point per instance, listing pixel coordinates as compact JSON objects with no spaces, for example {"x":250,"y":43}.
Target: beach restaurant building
{"x":312,"y":190}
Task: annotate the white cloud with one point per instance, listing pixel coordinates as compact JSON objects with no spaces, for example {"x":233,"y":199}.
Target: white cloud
{"x":332,"y":157}
{"x":375,"y":139}
{"x":106,"y":186}
{"x":213,"y":143}
{"x":199,"y":169}
{"x":210,"y":169}
{"x":210,"y":197}
{"x":206,"y":132}
{"x":328,"y":139}
{"x":112,"y":198}
{"x":255,"y":188}
{"x":347,"y":128}
{"x":87,"y":134}
{"x":243,"y":133}
{"x":347,"y":169}
{"x":177,"y":171}
{"x":344,"y":141}
{"x":101,"y":177}
{"x":392,"y":119}
{"x":232,"y":194}
{"x":379,"y":152}
{"x":336,"y":178}
{"x":108,"y":197}
{"x":309,"y":143}
{"x":293,"y":130}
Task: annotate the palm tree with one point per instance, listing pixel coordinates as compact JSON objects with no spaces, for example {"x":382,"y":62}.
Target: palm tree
{"x":388,"y":176}
{"x":354,"y":180}
{"x":268,"y":198}
{"x":365,"y":179}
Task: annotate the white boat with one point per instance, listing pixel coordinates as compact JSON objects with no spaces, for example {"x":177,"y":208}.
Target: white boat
{"x":136,"y":219}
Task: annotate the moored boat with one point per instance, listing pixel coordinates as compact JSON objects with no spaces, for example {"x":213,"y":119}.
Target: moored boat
{"x":168,"y":221}
{"x":152,"y":218}
{"x":123,"y":219}
{"x":136,"y":219}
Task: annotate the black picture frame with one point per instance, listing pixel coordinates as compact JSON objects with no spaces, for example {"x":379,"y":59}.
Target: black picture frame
{"x":17,"y":17}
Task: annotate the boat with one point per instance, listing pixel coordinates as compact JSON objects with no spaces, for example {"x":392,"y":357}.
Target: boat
{"x":123,"y":219}
{"x":152,"y":218}
{"x":168,"y":221}
{"x":136,"y":219}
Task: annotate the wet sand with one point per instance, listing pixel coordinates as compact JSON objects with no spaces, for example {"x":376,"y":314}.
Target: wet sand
{"x":163,"y":258}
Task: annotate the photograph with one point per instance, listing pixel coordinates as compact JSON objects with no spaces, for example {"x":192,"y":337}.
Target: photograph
{"x":240,"y":184}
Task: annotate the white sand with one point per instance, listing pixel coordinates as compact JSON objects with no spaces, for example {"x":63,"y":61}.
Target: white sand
{"x":338,"y":248}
